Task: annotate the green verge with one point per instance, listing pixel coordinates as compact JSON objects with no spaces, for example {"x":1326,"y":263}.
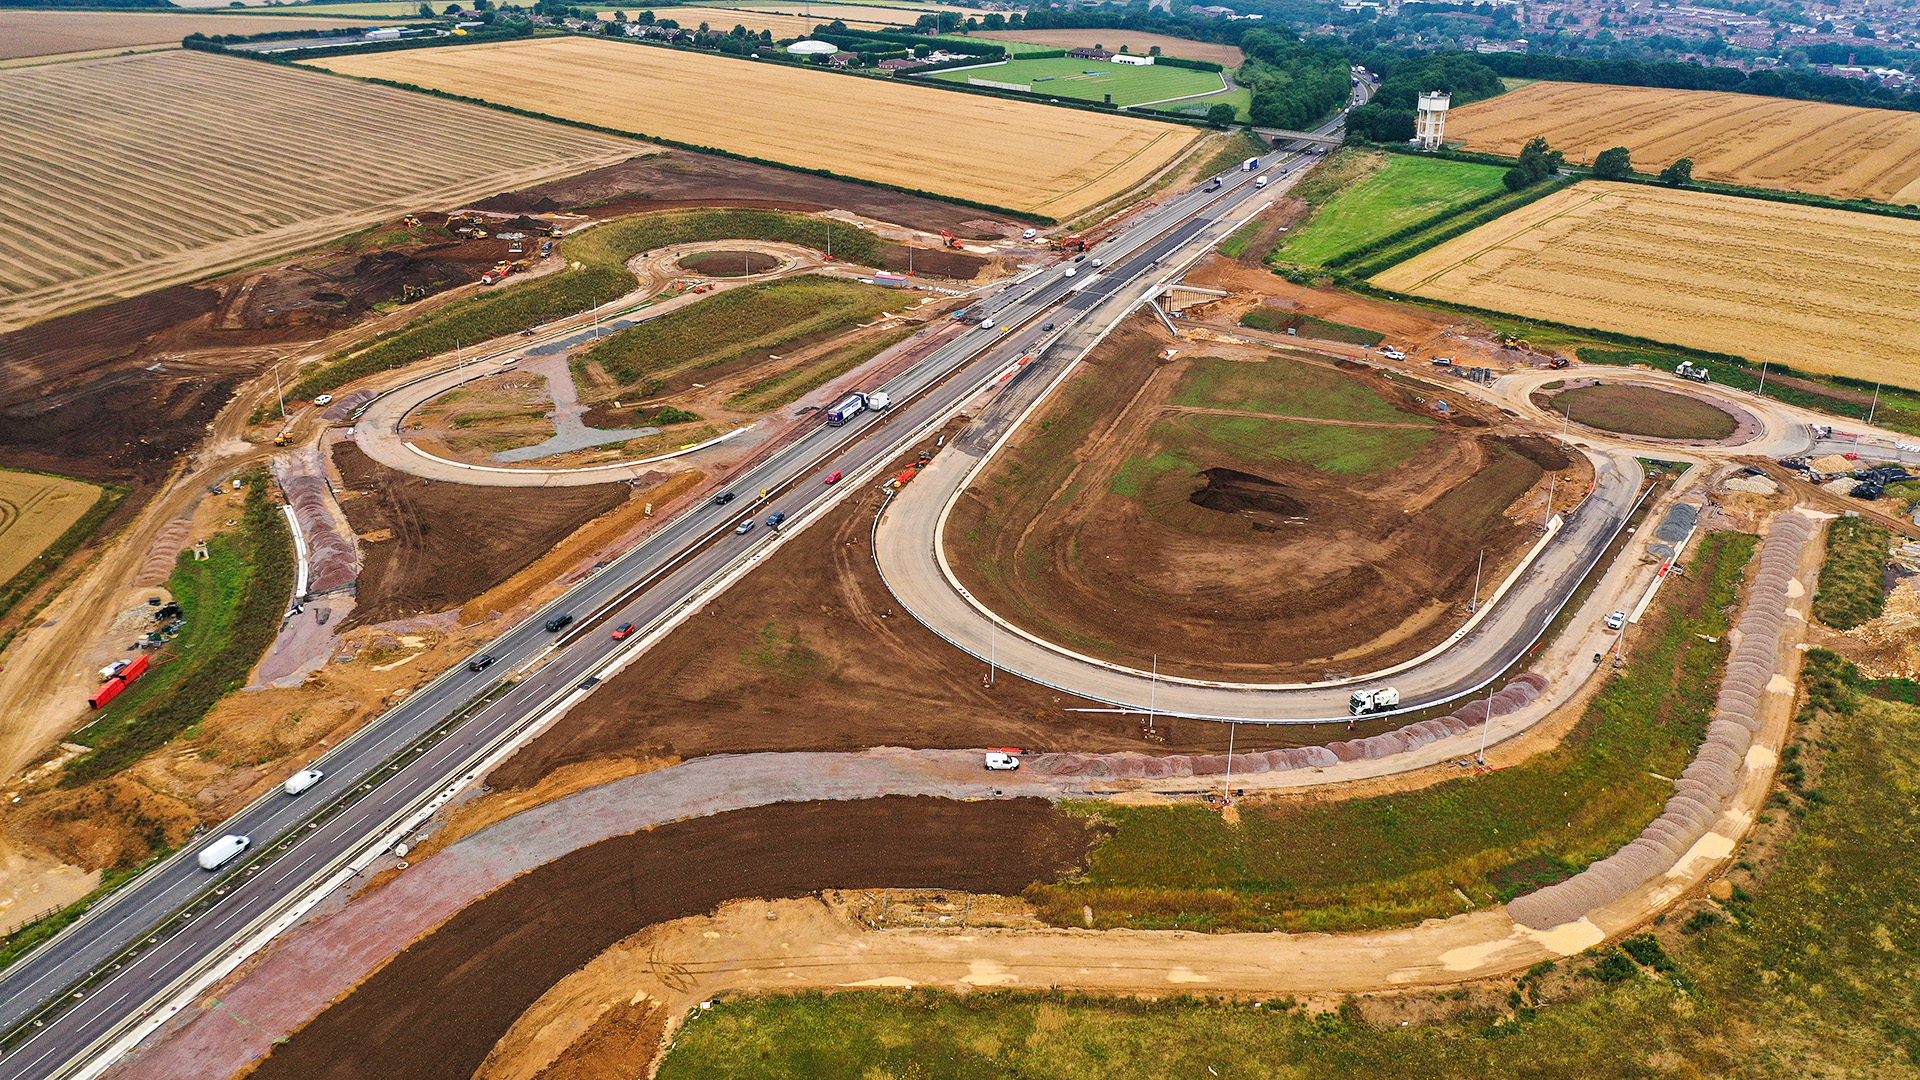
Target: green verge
{"x":602,"y":253}
{"x":730,"y":326}
{"x":1363,"y":863}
{"x":28,"y":577}
{"x":779,"y":391}
{"x":233,"y":601}
{"x":1371,"y":258}
{"x":1852,"y":589}
{"x":1809,"y":974}
{"x":1405,"y":193}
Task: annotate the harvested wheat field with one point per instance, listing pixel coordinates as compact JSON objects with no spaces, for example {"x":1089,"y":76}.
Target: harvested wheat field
{"x":1824,"y":290}
{"x":131,"y":173}
{"x":1836,"y":150}
{"x":34,"y":511}
{"x":45,"y":33}
{"x":1026,"y":157}
{"x":782,"y":24}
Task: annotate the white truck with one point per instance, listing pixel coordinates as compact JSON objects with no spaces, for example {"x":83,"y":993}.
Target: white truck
{"x":1362,"y":702}
{"x":1259,"y":181}
{"x":878,"y":400}
{"x":1251,"y":164}
{"x":1692,"y":372}
{"x":222,"y":851}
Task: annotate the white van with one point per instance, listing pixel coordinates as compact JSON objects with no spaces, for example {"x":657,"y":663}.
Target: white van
{"x":1030,"y":234}
{"x":301,"y":781}
{"x":222,"y":851}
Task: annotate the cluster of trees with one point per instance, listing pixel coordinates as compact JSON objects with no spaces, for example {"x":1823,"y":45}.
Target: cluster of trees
{"x":1617,"y":164}
{"x":1294,"y":84}
{"x":947,"y":22}
{"x":1389,"y":116}
{"x":1538,"y":161}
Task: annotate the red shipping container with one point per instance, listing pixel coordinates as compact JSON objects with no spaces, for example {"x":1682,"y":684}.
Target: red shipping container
{"x":135,"y":669}
{"x":110,"y":690}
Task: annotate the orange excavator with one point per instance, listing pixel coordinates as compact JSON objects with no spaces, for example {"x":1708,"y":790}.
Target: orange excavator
{"x":949,"y":240}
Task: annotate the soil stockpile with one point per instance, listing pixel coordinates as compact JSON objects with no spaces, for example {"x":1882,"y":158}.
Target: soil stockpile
{"x":1252,"y":516}
{"x":439,"y":545}
{"x":803,"y":655}
{"x":682,"y":178}
{"x":435,"y":1011}
{"x":724,"y":264}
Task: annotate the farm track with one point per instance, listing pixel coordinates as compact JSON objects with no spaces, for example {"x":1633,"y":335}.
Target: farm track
{"x":134,"y":172}
{"x":1809,"y":146}
{"x":1823,"y":290}
{"x":1028,"y":157}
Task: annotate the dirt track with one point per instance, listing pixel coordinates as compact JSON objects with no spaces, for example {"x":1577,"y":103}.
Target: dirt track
{"x":437,"y":1009}
{"x":445,"y":544}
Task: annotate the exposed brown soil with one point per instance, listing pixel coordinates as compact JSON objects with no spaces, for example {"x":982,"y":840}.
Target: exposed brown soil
{"x":803,"y":655}
{"x":448,"y":543}
{"x":729,"y":263}
{"x":121,"y":390}
{"x":938,"y":262}
{"x":1241,"y":566}
{"x":437,"y":1009}
{"x":1643,"y":410}
{"x":682,"y":178}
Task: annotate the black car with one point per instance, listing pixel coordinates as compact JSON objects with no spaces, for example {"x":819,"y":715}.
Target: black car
{"x":558,"y":623}
{"x":481,"y":664}
{"x":723,"y":498}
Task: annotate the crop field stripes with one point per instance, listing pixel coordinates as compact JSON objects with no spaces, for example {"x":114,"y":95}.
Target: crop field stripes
{"x":130,"y":172}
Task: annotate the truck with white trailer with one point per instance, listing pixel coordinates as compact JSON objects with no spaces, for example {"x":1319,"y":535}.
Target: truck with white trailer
{"x":849,"y":407}
{"x":1363,"y":702}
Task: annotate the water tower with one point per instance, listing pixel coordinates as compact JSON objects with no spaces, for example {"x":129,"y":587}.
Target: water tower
{"x":1430,"y":125}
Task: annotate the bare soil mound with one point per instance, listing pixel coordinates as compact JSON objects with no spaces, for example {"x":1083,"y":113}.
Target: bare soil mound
{"x":682,"y":178}
{"x":448,"y":543}
{"x":1250,"y":515}
{"x":1643,"y":410}
{"x":1542,"y":451}
{"x":938,"y":262}
{"x":437,"y":1009}
{"x":1264,"y":501}
{"x":728,"y":263}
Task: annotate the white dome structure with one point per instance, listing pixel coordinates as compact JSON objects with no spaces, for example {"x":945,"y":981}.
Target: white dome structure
{"x":813,"y":48}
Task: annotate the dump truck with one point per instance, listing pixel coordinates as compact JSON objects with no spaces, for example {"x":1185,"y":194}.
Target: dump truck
{"x":1362,"y":702}
{"x":849,"y":407}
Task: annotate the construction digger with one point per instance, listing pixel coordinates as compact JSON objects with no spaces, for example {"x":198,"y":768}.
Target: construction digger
{"x":947,"y":239}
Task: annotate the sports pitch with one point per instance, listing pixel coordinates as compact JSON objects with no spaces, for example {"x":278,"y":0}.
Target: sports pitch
{"x":1093,"y":80}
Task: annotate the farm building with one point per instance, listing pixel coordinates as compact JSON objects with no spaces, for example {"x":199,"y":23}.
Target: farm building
{"x":898,"y":65}
{"x":1089,"y":54}
{"x":1136,"y":61}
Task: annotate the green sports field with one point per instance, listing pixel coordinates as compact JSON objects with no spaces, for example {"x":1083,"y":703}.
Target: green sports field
{"x":1092,"y":80}
{"x":1402,"y":191}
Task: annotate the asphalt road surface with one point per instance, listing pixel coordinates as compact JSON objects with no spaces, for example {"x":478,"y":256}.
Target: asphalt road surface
{"x":666,"y":569}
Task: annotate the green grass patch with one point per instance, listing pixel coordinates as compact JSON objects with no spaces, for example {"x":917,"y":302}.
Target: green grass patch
{"x":779,"y":391}
{"x":1362,"y":863}
{"x":1284,"y":387}
{"x":1643,"y":410}
{"x":1404,"y":191}
{"x":1093,"y":80}
{"x":1240,"y":97}
{"x":761,"y":317}
{"x":1372,"y":257}
{"x":1812,"y":974}
{"x":497,"y":416}
{"x":601,"y":276}
{"x":1236,"y":245}
{"x":232,"y":601}
{"x":1852,"y":580}
{"x":1331,"y":448}
{"x":1239,"y":148}
{"x":1276,"y":321}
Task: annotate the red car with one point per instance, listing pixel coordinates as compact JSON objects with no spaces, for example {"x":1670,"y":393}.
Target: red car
{"x":625,"y":629}
{"x":833,"y":479}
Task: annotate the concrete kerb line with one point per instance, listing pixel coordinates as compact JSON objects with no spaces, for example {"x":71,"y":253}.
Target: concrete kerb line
{"x":694,"y":449}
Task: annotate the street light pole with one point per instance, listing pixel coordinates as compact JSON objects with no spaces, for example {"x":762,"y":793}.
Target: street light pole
{"x":1871,"y":409}
{"x":1486,"y":724}
{"x":1762,"y":392}
{"x":276,"y":391}
{"x":993,"y":650}
{"x":1226,"y":792}
{"x":1153,"y":691}
{"x":1475,"y":606}
{"x":1547,"y":518}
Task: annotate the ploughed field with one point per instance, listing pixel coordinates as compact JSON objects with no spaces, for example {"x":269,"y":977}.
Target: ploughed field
{"x":130,"y":173}
{"x":1027,"y":157}
{"x":1249,"y":515}
{"x":1824,"y":290}
{"x":1837,"y":150}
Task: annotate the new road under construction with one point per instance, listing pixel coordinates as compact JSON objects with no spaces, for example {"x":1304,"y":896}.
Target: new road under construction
{"x":79,"y":1001}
